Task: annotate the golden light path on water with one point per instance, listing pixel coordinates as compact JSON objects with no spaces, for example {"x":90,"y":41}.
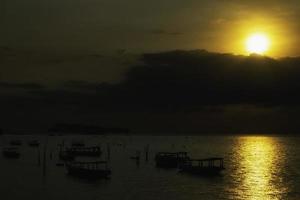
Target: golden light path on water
{"x":261,"y":163}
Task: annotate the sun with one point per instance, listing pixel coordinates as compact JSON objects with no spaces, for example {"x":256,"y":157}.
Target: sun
{"x":258,"y":43}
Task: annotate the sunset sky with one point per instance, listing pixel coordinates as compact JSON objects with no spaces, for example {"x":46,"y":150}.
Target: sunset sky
{"x":64,"y":59}
{"x":140,"y":25}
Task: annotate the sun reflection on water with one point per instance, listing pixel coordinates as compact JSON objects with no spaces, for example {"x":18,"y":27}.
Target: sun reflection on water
{"x":260,"y":162}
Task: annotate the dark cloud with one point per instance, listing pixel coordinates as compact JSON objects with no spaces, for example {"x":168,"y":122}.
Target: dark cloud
{"x":177,"y":87}
{"x":190,"y":80}
{"x":199,"y":78}
{"x":25,"y":86}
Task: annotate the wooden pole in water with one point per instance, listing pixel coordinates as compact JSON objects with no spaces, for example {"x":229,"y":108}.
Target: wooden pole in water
{"x":45,"y":158}
{"x":146,"y":152}
{"x":50,"y":156}
{"x":138,"y":153}
{"x":39,"y":157}
{"x":108,"y":151}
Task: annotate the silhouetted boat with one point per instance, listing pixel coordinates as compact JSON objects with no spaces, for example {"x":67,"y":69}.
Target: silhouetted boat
{"x":137,"y":156}
{"x":60,"y":164}
{"x":207,"y":166}
{"x":16,"y":142}
{"x":65,"y":156}
{"x":134,"y":157}
{"x":34,"y":143}
{"x":170,"y":159}
{"x":77,"y":143}
{"x":84,"y":151}
{"x":11,"y":152}
{"x":89,"y":170}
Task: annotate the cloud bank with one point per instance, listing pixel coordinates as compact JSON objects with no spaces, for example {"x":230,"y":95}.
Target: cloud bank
{"x":173,"y":86}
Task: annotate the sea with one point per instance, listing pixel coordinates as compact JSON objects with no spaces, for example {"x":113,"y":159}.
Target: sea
{"x":256,"y":167}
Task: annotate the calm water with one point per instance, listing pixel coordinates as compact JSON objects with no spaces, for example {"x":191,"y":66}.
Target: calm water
{"x":257,"y":167}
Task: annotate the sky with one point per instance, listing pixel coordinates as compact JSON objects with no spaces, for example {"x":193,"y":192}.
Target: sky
{"x":58,"y":56}
{"x":139,"y":25}
{"x":46,"y":37}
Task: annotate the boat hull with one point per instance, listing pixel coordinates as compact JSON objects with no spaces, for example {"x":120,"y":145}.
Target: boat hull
{"x":11,"y":154}
{"x":88,"y":173}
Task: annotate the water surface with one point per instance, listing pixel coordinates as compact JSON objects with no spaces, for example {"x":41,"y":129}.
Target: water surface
{"x":257,"y":167}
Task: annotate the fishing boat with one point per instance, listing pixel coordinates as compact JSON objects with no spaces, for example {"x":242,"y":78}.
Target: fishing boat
{"x":207,"y":166}
{"x":11,"y":152}
{"x":137,"y":156}
{"x":16,"y":142}
{"x":134,"y":157}
{"x":34,"y":143}
{"x":90,"y":170}
{"x":84,"y":151}
{"x":170,"y":159}
{"x":78,"y":143}
{"x":65,"y":156}
{"x":59,"y":164}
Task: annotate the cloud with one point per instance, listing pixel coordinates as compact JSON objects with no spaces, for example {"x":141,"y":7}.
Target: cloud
{"x":184,"y":79}
{"x":188,"y":80}
{"x":25,"y":86}
{"x":176,"y":87}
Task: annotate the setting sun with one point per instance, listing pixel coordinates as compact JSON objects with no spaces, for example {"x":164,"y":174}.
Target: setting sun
{"x":257,"y":43}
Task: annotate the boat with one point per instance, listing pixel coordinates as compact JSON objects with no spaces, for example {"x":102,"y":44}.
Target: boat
{"x":207,"y":166}
{"x":137,"y":156}
{"x":65,"y":156}
{"x":84,"y":151}
{"x":16,"y":142}
{"x":90,"y":170}
{"x":11,"y":152}
{"x":170,"y":159}
{"x":60,"y":164}
{"x":78,"y":143}
{"x":34,"y":143}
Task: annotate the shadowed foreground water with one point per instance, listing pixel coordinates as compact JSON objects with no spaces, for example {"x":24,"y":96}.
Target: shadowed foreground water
{"x":257,"y":167}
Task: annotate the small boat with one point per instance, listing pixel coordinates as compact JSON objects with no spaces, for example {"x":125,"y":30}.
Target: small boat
{"x":137,"y":156}
{"x":89,"y":170}
{"x":16,"y":142}
{"x":34,"y":143}
{"x":170,"y":159}
{"x":60,"y":164}
{"x":11,"y":152}
{"x":207,"y":166}
{"x":84,"y":151}
{"x":77,"y":143}
{"x":65,"y":156}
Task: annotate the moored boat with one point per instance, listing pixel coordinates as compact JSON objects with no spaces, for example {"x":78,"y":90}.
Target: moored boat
{"x":16,"y":142}
{"x":78,"y":143}
{"x":84,"y":151}
{"x":11,"y":152}
{"x":34,"y":143}
{"x":89,"y":170}
{"x":65,"y":156}
{"x":170,"y":159}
